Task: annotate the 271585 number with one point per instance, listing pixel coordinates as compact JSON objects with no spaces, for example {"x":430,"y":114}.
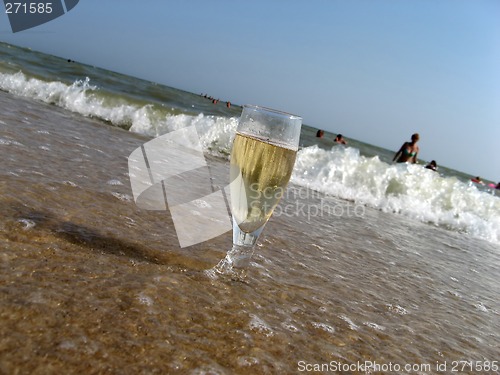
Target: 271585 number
{"x":33,"y":8}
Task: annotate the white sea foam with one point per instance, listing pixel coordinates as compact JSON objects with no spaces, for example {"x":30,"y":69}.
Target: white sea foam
{"x":325,"y":327}
{"x":259,"y":325}
{"x":114,"y":182}
{"x":216,"y":133}
{"x":145,"y":299}
{"x":375,"y":326}
{"x":352,"y":326}
{"x":122,"y":197}
{"x":79,"y":97}
{"x":28,"y":224}
{"x":410,"y":190}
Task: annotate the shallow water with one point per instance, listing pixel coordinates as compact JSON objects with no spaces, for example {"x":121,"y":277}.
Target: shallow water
{"x":90,"y":283}
{"x":360,"y":172}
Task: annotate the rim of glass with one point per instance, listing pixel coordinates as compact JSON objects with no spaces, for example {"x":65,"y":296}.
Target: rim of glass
{"x":275,"y":111}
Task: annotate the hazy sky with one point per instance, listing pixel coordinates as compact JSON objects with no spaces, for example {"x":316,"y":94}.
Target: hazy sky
{"x":373,"y":70}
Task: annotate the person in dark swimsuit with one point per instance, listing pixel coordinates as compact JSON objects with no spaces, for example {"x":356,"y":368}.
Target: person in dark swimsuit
{"x":432,"y":166}
{"x":408,"y":151}
{"x":340,"y":139}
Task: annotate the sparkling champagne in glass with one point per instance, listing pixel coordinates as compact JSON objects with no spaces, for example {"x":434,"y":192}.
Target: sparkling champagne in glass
{"x":262,"y":160}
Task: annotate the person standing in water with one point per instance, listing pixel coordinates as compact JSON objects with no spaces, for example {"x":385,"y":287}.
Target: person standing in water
{"x":408,"y":151}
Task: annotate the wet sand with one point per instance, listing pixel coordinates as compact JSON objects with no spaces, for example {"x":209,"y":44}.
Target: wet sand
{"x":90,"y":283}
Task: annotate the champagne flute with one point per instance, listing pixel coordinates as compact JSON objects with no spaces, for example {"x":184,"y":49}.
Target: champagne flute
{"x":262,"y":160}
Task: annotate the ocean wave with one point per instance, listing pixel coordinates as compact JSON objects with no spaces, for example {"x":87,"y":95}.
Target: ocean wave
{"x":79,"y":97}
{"x":150,"y":119}
{"x":216,"y":133}
{"x":407,"y":189}
{"x":342,"y":172}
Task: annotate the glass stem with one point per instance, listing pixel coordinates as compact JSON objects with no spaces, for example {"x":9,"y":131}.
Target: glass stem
{"x":239,"y":256}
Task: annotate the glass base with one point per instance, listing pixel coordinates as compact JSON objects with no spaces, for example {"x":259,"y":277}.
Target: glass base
{"x":234,"y":263}
{"x":238,"y":258}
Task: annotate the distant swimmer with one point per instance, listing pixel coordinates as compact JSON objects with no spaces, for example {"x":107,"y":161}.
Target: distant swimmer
{"x":320,"y":133}
{"x":477,"y":180}
{"x":340,"y":139}
{"x":408,"y":151}
{"x":228,"y":104}
{"x":432,"y":165}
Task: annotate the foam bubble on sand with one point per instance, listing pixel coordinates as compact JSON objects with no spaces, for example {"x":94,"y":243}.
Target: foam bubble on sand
{"x":8,"y":142}
{"x":396,"y":309}
{"x":375,"y":326}
{"x":114,"y":182}
{"x":259,"y":325}
{"x":481,"y":307}
{"x":247,"y":361}
{"x":122,"y":197}
{"x":207,"y":370}
{"x":290,"y":326}
{"x":145,"y":299}
{"x":28,"y":224}
{"x":70,"y":183}
{"x":352,"y":326}
{"x":323,"y":326}
{"x":67,"y":345}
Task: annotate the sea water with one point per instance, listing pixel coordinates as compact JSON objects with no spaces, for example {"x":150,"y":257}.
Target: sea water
{"x":363,"y":261}
{"x":360,"y":172}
